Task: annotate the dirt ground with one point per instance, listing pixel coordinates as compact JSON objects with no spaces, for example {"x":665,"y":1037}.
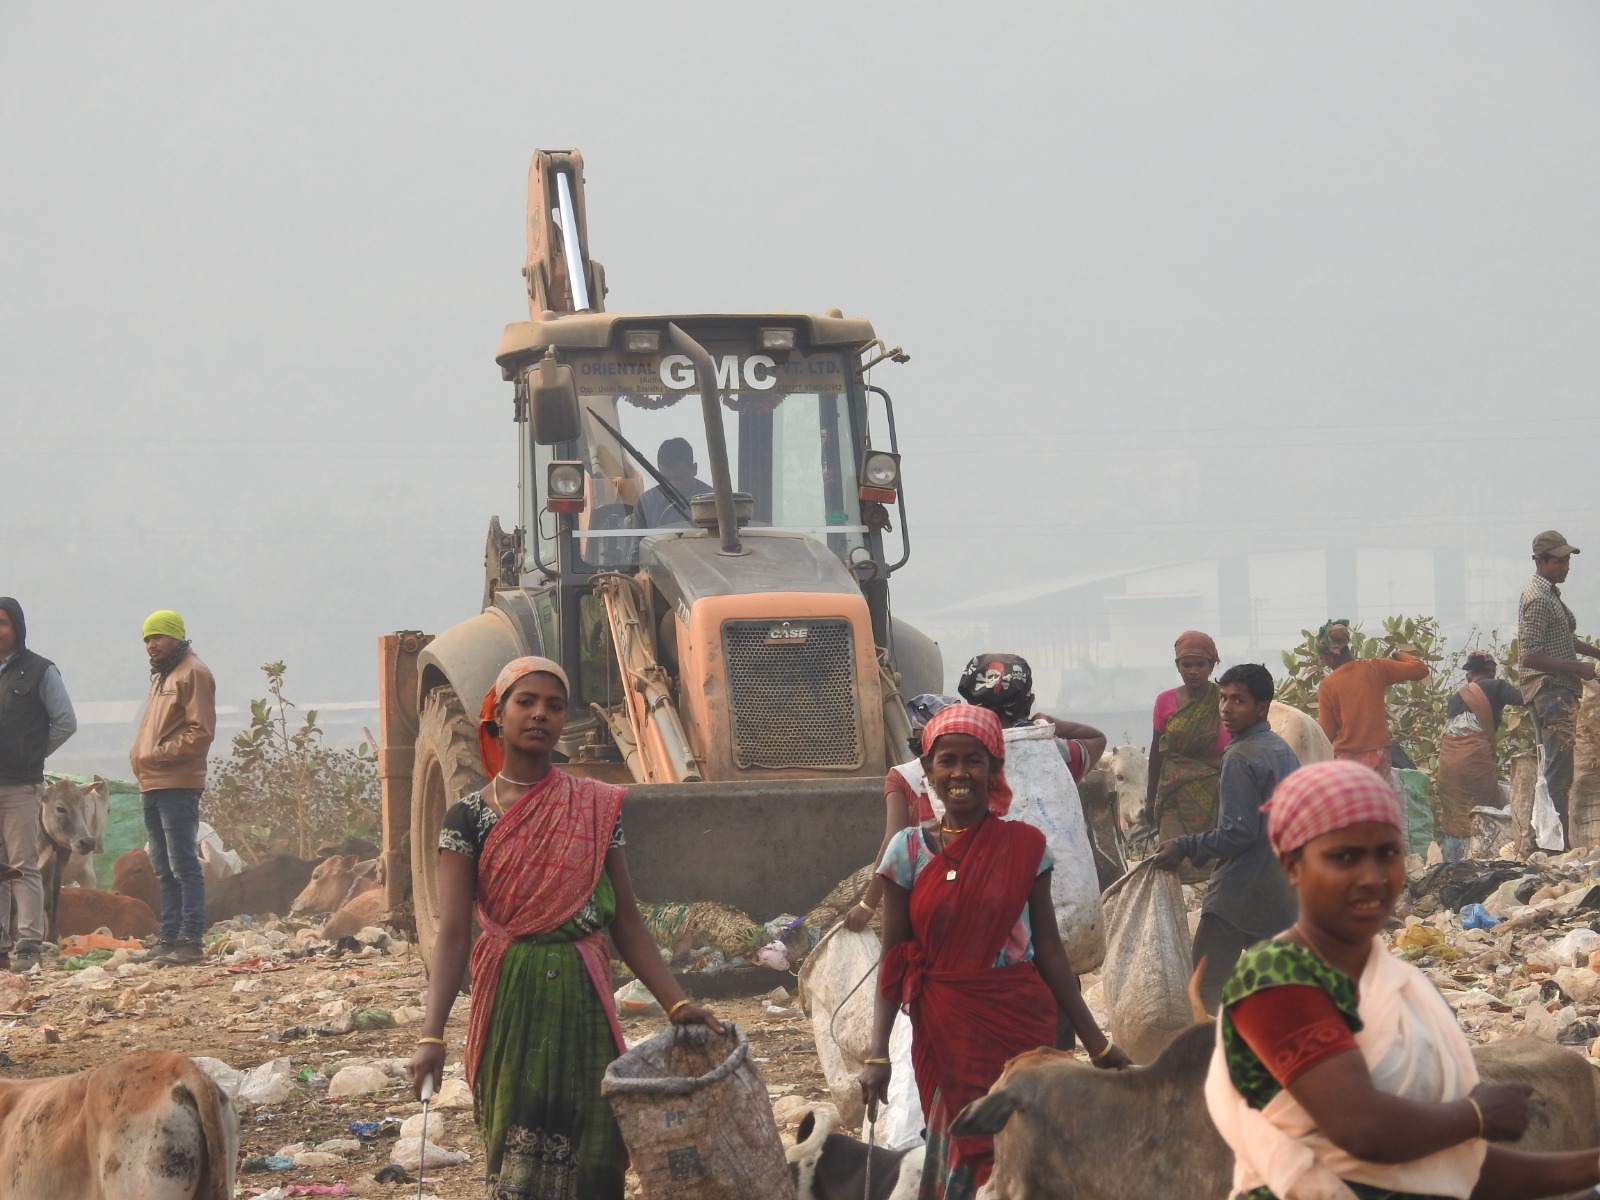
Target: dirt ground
{"x":237,"y":1014}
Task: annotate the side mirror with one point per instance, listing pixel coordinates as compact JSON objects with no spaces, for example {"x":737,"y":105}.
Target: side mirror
{"x":553,"y":402}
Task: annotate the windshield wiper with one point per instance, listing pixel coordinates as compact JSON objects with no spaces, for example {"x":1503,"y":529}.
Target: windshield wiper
{"x":673,"y":494}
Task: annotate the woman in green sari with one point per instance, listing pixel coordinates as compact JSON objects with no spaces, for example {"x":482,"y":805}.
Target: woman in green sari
{"x":537,"y":857}
{"x":1186,"y":745}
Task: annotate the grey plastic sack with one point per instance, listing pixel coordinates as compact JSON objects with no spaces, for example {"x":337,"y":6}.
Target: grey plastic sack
{"x":1148,"y":961}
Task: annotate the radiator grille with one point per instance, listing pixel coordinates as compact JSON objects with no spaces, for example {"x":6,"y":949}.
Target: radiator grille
{"x":792,"y":689}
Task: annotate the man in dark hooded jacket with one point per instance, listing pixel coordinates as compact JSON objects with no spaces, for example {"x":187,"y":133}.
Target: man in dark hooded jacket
{"x":35,"y":718}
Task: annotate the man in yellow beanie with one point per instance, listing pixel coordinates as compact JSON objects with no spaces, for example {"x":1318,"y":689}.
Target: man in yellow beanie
{"x":169,"y":761}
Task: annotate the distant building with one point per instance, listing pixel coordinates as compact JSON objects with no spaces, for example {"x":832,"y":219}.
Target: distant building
{"x":1101,"y":644}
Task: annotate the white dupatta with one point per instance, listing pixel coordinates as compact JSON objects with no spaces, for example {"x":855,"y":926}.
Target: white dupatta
{"x":1413,"y":1048}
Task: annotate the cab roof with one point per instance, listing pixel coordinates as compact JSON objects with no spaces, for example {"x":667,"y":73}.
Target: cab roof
{"x":597,"y":330}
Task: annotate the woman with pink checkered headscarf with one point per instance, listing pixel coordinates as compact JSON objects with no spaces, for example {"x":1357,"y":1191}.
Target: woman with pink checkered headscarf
{"x":1340,"y":1072}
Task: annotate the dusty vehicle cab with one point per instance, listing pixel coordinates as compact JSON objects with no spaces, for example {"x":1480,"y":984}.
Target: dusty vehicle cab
{"x":709,"y":562}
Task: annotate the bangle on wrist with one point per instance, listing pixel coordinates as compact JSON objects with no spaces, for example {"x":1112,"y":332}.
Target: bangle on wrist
{"x":677,"y":1006}
{"x":1104,"y":1051}
{"x":876,"y":1062}
{"x":1479,"y":1110}
{"x":430,"y":1041}
{"x":863,"y":904}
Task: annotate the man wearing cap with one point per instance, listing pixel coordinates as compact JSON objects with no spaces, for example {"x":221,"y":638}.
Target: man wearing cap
{"x":35,"y":718}
{"x":1551,"y":669}
{"x":169,"y":761}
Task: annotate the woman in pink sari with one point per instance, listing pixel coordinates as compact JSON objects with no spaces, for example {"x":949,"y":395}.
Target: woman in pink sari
{"x":537,"y":856}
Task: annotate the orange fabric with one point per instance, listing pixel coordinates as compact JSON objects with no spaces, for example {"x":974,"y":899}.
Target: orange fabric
{"x":1350,"y":701}
{"x":1291,"y":1028}
{"x":83,"y":943}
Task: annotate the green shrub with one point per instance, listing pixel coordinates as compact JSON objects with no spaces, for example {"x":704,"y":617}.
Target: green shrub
{"x":281,"y":789}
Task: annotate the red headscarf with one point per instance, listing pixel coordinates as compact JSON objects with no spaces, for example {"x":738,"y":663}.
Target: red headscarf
{"x":1327,"y":796}
{"x":982,"y":724}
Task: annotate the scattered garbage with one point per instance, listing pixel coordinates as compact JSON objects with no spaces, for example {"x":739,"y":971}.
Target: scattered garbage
{"x":774,"y":955}
{"x":266,"y":1085}
{"x":408,"y":1153}
{"x":266,"y":1162}
{"x":358,"y":1079}
{"x":1475,"y":916}
{"x":371,"y":1131}
{"x":634,"y":1000}
{"x":393,"y":1173}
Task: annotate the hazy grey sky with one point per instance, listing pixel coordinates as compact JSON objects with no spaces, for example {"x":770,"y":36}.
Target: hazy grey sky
{"x":1175,"y":278}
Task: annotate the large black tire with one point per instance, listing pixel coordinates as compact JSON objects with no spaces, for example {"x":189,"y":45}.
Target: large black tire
{"x":446,"y":768}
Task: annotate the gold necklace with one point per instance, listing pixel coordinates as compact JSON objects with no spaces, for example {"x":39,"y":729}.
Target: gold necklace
{"x":515,"y":782}
{"x":944,"y":850}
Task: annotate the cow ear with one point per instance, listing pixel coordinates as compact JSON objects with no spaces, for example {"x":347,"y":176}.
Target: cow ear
{"x":348,"y":862}
{"x":985,"y":1117}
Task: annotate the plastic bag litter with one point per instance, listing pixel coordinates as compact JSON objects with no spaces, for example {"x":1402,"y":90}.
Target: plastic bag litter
{"x":633,"y":999}
{"x":1148,"y":961}
{"x":267,"y":1084}
{"x":1475,"y":916}
{"x":1547,"y":830}
{"x":1574,"y":948}
{"x":408,"y":1152}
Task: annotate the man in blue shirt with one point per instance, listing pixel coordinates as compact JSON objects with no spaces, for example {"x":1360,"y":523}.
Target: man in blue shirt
{"x":35,"y":718}
{"x":1247,"y":899}
{"x":657,"y":507}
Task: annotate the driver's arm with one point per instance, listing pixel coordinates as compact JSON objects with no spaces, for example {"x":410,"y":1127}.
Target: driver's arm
{"x":629,"y":486}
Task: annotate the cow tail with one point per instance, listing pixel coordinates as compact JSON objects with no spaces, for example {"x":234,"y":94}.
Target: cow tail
{"x":220,"y":1129}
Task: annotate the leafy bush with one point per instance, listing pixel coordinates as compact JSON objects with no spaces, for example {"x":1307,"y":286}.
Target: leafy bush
{"x":1416,"y":709}
{"x":281,"y":789}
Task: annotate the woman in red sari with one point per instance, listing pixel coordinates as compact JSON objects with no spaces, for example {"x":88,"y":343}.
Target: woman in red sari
{"x":537,"y":856}
{"x":970,"y":948}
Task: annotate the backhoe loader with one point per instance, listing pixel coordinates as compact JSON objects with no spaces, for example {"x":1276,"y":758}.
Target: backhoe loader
{"x":731,"y":647}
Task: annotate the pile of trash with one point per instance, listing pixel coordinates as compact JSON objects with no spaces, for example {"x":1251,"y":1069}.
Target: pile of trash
{"x":1513,"y":946}
{"x":707,"y":938}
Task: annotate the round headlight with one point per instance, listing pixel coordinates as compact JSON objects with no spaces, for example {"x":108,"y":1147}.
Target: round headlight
{"x":566,"y":482}
{"x":881,"y":469}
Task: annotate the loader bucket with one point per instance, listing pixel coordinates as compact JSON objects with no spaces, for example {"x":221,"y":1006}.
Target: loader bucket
{"x":764,"y":847}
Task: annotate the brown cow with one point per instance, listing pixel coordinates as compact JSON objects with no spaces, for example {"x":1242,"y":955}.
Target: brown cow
{"x":151,"y":1126}
{"x":132,"y":875}
{"x":1065,"y":1131}
{"x":334,"y":883}
{"x":268,"y":887}
{"x":84,"y":910}
{"x":365,"y":909}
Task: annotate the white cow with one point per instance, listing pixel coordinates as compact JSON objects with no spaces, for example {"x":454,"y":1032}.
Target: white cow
{"x":78,"y":871}
{"x":1125,"y":772}
{"x":1301,"y":731}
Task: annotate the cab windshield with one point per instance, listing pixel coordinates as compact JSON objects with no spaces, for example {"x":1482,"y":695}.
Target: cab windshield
{"x":791,"y":446}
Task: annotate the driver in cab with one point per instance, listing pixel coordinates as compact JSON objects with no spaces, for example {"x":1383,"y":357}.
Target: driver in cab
{"x":658,"y":508}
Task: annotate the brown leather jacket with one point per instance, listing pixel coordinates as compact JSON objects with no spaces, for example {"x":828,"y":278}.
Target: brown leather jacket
{"x":180,"y":719}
